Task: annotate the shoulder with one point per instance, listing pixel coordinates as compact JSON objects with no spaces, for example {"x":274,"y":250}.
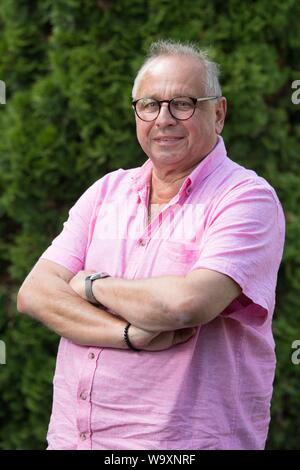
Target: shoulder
{"x":117,"y":177}
{"x":109,"y":184}
{"x":238,"y":181}
{"x":242,"y":196}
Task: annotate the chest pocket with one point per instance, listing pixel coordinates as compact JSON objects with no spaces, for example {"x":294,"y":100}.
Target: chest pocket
{"x":176,"y":258}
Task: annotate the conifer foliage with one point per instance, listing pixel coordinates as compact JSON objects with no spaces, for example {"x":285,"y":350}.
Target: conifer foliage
{"x":68,"y":66}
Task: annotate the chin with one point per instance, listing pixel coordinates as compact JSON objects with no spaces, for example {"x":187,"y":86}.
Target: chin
{"x":167,"y":158}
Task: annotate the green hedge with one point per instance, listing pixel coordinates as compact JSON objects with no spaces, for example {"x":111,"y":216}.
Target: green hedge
{"x":69,"y":67}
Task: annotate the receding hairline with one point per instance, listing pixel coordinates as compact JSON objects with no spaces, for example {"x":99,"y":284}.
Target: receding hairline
{"x":164,"y":48}
{"x":153,"y":61}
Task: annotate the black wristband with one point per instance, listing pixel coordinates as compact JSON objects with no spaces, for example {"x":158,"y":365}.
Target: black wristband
{"x":126,"y":339}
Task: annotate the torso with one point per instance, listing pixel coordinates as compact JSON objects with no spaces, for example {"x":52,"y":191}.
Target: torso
{"x":161,"y":194}
{"x":153,"y":210}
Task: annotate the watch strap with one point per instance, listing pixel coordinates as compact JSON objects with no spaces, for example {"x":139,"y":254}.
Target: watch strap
{"x":89,"y":287}
{"x":89,"y":291}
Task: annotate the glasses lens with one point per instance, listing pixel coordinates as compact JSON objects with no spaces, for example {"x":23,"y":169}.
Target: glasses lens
{"x":147,"y":109}
{"x":182,"y":107}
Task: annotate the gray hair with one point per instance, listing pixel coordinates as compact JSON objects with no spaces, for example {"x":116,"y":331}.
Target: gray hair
{"x":163,"y":48}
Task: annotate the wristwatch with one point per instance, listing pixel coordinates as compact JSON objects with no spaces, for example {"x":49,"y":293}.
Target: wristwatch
{"x":89,"y":287}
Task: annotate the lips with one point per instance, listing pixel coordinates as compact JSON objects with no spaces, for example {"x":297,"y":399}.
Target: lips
{"x":167,"y":139}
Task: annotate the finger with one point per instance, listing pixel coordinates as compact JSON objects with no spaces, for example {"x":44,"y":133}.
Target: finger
{"x":164,"y":340}
{"x":181,"y":336}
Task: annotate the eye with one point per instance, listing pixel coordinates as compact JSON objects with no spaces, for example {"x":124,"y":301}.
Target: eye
{"x":182,"y":104}
{"x":148,"y":105}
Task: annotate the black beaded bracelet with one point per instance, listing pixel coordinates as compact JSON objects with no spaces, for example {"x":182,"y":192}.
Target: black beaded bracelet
{"x":126,"y":338}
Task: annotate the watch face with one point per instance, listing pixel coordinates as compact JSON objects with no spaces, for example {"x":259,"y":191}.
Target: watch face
{"x":95,"y":276}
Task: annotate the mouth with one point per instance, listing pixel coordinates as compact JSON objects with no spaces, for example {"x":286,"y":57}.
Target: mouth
{"x":167,"y":140}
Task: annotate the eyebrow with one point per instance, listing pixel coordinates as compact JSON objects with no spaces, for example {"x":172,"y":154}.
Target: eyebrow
{"x":156,"y":97}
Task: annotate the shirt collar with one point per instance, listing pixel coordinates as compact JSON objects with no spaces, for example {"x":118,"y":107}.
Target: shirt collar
{"x":142,"y":175}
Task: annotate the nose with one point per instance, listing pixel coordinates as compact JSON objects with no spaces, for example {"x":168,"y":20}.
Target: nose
{"x":165,"y":118}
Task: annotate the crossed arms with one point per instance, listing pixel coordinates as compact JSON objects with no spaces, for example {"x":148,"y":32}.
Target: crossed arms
{"x":162,"y":310}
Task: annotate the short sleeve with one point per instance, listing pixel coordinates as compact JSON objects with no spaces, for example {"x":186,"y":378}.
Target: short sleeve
{"x":69,"y":247}
{"x":244,"y":239}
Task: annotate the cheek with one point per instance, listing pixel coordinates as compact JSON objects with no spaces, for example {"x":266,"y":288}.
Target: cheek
{"x":142,"y":132}
{"x":195,"y":133}
{"x":202,"y":128}
{"x":140,"y":138}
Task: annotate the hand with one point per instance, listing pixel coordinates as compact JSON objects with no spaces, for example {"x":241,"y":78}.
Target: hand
{"x":77,"y":282}
{"x":158,"y":341}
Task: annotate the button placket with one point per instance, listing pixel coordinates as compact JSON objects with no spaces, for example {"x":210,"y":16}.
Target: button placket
{"x":83,"y":410}
{"x":83,"y":395}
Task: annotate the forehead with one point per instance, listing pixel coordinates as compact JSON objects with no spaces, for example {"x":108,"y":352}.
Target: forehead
{"x":166,"y":77}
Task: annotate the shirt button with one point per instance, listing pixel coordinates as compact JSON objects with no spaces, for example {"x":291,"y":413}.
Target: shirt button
{"x":83,"y":436}
{"x":142,"y":242}
{"x":189,"y":190}
{"x":83,"y":395}
{"x":91,"y":356}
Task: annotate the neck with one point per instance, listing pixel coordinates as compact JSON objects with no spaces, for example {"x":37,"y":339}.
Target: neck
{"x":165,"y":185}
{"x":166,"y":182}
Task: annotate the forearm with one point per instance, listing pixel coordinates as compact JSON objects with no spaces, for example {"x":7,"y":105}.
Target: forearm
{"x":153,"y":304}
{"x":57,"y":306}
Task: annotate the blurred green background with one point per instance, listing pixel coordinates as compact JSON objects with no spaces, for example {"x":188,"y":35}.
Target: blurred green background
{"x":69,"y":66}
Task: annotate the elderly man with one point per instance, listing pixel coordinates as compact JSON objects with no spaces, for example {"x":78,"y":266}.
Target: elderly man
{"x":162,"y":282}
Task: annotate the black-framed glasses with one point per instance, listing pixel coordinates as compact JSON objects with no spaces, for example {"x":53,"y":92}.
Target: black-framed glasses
{"x":181,"y":107}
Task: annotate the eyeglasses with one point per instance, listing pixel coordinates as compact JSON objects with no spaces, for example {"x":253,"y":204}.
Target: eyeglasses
{"x":181,"y":108}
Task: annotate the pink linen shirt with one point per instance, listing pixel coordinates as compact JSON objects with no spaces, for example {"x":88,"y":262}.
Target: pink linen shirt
{"x":214,"y":391}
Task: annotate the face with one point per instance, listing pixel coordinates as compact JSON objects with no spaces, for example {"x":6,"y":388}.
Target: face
{"x":168,"y":142}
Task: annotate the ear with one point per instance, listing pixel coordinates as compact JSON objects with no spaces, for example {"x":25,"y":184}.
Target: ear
{"x":221,"y":108}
